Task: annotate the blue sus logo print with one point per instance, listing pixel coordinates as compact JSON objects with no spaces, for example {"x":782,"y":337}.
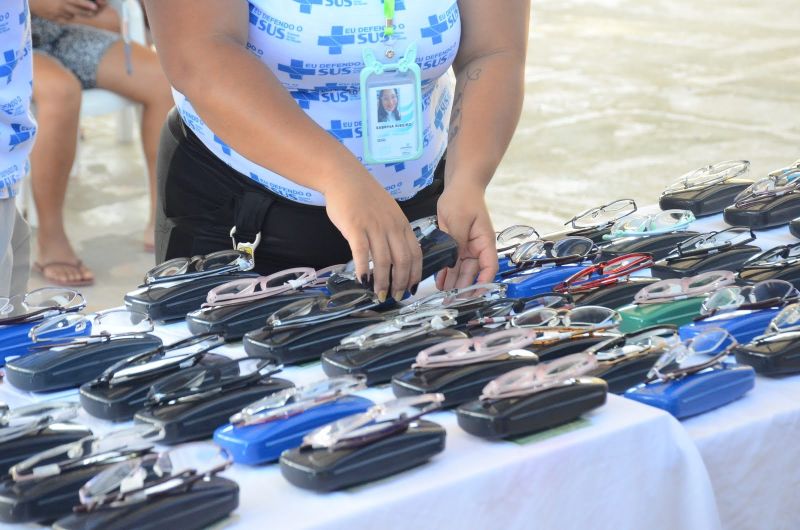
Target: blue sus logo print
{"x":345,"y":130}
{"x":398,"y":166}
{"x":225,"y":147}
{"x":296,"y":69}
{"x":20,"y":135}
{"x":439,"y":24}
{"x":336,"y":40}
{"x":8,"y":64}
{"x":426,"y":176}
{"x":304,"y":97}
{"x":306,"y":5}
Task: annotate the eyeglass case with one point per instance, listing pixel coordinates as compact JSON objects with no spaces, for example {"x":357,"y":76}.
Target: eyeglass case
{"x":776,"y":357}
{"x":614,"y":295}
{"x":120,"y":402}
{"x":704,"y":201}
{"x":627,"y":374}
{"x":530,"y":282}
{"x":507,"y":418}
{"x":17,"y":450}
{"x":675,"y":312}
{"x":459,"y":384}
{"x":233,"y":321}
{"x":300,"y":344}
{"x":696,"y":393}
{"x":767,"y":213}
{"x":730,"y":259}
{"x":594,"y":233}
{"x":264,"y":442}
{"x":324,"y":470}
{"x":172,"y":301}
{"x":744,"y":324}
{"x":56,"y":369}
{"x":658,"y":245}
{"x":205,"y":503}
{"x":15,"y":340}
{"x":789,"y":273}
{"x":379,"y":364}
{"x":196,"y":420}
{"x":794,"y":227}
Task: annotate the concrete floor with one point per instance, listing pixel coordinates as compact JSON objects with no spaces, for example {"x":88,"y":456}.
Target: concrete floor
{"x":623,"y":97}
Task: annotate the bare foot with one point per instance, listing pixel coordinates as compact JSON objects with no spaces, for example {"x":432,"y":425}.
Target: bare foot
{"x":150,"y":238}
{"x":59,"y":264}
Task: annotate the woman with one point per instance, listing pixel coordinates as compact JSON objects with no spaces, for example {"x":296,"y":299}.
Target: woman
{"x":268,"y":137}
{"x":387,"y":105}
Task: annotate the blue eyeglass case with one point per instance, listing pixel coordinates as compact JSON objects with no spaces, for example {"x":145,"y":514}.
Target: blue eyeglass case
{"x":264,"y":442}
{"x":696,"y":393}
{"x":15,"y":341}
{"x":744,"y":325}
{"x":539,"y":280}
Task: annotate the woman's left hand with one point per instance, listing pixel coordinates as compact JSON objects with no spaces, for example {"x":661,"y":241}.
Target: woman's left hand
{"x":462,"y":213}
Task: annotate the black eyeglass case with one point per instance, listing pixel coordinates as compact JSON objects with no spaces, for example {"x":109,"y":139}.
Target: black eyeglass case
{"x":507,"y":418}
{"x":566,"y":347}
{"x":658,"y":245}
{"x":233,"y":321}
{"x":794,"y":227}
{"x":767,"y":213}
{"x":17,"y":450}
{"x":776,"y":357}
{"x":300,"y":344}
{"x":789,"y":273}
{"x":197,"y":420}
{"x":379,"y":364}
{"x":704,"y":201}
{"x":622,"y":376}
{"x":616,"y":295}
{"x":729,"y":260}
{"x":324,"y":470}
{"x":459,"y":384}
{"x":68,"y":368}
{"x":120,"y":402}
{"x":172,"y":301}
{"x":205,"y":503}
{"x":594,"y":233}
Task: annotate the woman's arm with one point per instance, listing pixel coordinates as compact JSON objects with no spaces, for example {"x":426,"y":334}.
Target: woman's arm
{"x":490,"y":73}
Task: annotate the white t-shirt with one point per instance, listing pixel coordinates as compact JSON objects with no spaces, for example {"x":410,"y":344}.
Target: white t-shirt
{"x":314,"y":48}
{"x":17,"y":126}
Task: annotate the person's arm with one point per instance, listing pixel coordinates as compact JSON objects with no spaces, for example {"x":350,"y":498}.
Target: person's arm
{"x":107,"y":19}
{"x":202,"y":47}
{"x":490,"y":75}
{"x":65,"y":10}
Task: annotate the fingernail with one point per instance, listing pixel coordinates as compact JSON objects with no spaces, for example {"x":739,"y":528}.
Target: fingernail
{"x":398,"y":295}
{"x":413,"y":289}
{"x":382,"y":296}
{"x":364,"y":279}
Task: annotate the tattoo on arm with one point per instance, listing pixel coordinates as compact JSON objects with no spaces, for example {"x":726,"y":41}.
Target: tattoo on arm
{"x":455,"y":115}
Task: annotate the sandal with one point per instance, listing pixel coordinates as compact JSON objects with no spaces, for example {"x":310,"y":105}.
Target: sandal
{"x":42,"y":270}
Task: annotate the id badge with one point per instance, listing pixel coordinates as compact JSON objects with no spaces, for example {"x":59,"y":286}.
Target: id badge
{"x":391,"y":108}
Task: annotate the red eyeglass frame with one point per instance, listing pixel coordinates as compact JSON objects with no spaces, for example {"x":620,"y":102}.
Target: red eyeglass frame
{"x":581,"y":282}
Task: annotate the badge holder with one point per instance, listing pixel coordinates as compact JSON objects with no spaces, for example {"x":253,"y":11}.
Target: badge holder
{"x":70,"y":367}
{"x":774,"y":357}
{"x":539,"y":280}
{"x":769,"y":212}
{"x":730,"y":259}
{"x":659,"y":245}
{"x":696,"y":393}
{"x":705,"y":201}
{"x":743,"y":324}
{"x":615,"y":295}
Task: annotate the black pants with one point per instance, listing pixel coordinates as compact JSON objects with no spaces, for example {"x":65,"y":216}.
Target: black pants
{"x":200,"y":198}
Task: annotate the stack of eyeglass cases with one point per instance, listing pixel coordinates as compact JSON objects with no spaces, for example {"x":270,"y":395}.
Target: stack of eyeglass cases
{"x":619,"y":301}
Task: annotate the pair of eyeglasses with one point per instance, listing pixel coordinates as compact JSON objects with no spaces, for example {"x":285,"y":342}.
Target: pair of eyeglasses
{"x":399,"y":329}
{"x":105,"y":326}
{"x":31,"y":419}
{"x":605,"y":273}
{"x":603,"y":216}
{"x":774,"y":258}
{"x":39,"y":304}
{"x":708,"y":176}
{"x":570,"y":249}
{"x":651,"y":224}
{"x":501,"y":310}
{"x":649,"y":341}
{"x":712,"y":243}
{"x":778,"y":183}
{"x":159,"y":361}
{"x":510,"y":238}
{"x":456,"y":298}
{"x":198,"y":382}
{"x":705,"y":350}
{"x":766,"y":293}
{"x":504,"y":344}
{"x":180,"y":269}
{"x":296,"y":400}
{"x":784,"y":325}
{"x":529,"y":380}
{"x":153,"y":475}
{"x":321,"y":308}
{"x":88,"y":451}
{"x":580,"y":319}
{"x":377,"y":423}
{"x":681,"y":288}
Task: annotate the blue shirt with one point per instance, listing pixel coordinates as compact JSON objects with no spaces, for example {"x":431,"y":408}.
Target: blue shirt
{"x":17,"y":126}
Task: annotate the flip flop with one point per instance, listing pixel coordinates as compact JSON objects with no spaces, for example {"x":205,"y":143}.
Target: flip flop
{"x":41,"y":269}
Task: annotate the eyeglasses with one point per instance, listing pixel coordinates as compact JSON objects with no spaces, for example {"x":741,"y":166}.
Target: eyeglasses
{"x":605,"y":273}
{"x":708,"y":176}
{"x":567,"y":250}
{"x":788,"y":319}
{"x":679,"y":289}
{"x":200,"y":382}
{"x":532,"y":379}
{"x":39,"y":304}
{"x":777,"y":257}
{"x":322,"y":308}
{"x":702,"y":351}
{"x":511,"y":237}
{"x":603,"y":216}
{"x":581,"y":319}
{"x":160,"y":360}
{"x":297,"y":400}
{"x":377,"y":423}
{"x":766,"y":293}
{"x":712,"y":243}
{"x":180,"y":269}
{"x":645,"y":342}
{"x":651,"y":224}
{"x":778,"y":183}
{"x":91,"y":450}
{"x":105,"y":326}
{"x":500,"y":311}
{"x":21,"y":421}
{"x":503,"y":344}
{"x":399,"y":329}
{"x":153,"y":475}
{"x":456,"y":298}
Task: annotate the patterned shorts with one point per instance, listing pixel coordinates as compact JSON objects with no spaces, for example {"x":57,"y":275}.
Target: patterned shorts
{"x":79,"y":48}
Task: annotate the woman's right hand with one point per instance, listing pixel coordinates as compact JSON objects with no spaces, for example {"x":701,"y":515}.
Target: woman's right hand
{"x":374,"y":226}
